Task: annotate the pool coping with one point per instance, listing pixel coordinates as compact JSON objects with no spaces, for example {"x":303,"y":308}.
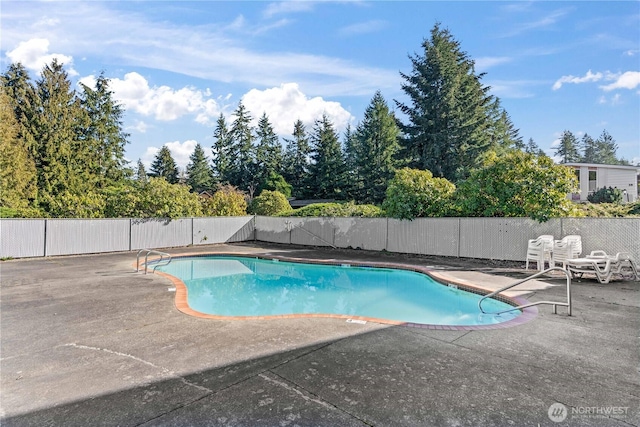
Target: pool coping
{"x":181,"y":297}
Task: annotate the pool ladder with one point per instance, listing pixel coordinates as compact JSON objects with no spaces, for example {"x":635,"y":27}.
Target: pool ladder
{"x":555,"y":304}
{"x":158,"y":263}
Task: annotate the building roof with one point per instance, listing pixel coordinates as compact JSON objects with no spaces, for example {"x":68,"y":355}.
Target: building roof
{"x":599,"y":165}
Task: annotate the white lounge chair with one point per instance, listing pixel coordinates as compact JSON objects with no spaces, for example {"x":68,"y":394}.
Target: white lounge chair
{"x":539,"y":250}
{"x":569,"y":247}
{"x":604,"y":266}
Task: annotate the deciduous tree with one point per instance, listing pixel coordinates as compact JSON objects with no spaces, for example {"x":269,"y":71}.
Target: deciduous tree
{"x":517,"y":184}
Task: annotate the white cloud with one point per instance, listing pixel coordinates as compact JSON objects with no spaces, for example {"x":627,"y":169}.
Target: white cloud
{"x":589,"y":77}
{"x":628,"y":80}
{"x":487,"y":62}
{"x":212,"y":51}
{"x":632,"y":52}
{"x":140,"y":126}
{"x":363,"y":28}
{"x":164,"y":103}
{"x":180,"y":151}
{"x":545,"y":21}
{"x":287,"y":103}
{"x":34,"y":55}
{"x":148,"y":157}
{"x":287,"y":7}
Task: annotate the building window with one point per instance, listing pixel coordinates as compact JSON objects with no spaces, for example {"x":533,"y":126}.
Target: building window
{"x":592,"y":181}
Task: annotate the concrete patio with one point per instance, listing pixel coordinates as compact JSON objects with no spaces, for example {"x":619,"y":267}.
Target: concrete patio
{"x":87,"y":341}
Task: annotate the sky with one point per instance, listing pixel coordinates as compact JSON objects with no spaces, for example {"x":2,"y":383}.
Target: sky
{"x":175,"y":66}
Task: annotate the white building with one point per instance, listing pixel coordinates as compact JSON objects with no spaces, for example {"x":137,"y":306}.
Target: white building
{"x":592,"y":177}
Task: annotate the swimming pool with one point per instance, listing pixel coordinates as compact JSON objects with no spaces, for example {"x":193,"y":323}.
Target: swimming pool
{"x":232,"y":286}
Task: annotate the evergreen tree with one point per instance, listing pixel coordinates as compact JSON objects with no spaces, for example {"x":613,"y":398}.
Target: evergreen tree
{"x":24,"y":100}
{"x":63,"y":157}
{"x":199,"y":176}
{"x":590,"y":149}
{"x":327,"y":170}
{"x":607,"y":148}
{"x":244,"y":168}
{"x":353,"y":180}
{"x":18,"y":187}
{"x":104,"y":133}
{"x":141,"y":173}
{"x":268,"y":150}
{"x":222,"y":152}
{"x":532,"y":148}
{"x":568,"y":149}
{"x":296,"y":160}
{"x":504,"y":135}
{"x":449,"y":111}
{"x":376,"y":147}
{"x":164,"y":166}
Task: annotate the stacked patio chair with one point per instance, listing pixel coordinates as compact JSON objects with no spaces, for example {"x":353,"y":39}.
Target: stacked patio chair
{"x":569,"y":247}
{"x":540,"y":250}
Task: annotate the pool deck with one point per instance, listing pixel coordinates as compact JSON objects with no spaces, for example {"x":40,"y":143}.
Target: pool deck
{"x":87,"y":341}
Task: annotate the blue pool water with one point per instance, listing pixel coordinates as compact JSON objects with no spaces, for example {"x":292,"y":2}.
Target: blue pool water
{"x":239,"y":286}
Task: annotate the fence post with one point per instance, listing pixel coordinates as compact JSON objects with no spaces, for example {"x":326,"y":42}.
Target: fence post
{"x":386,"y":244}
{"x":44,"y":250}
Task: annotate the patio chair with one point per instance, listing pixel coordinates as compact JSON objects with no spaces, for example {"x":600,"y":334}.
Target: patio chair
{"x":568,"y":247}
{"x":539,"y":250}
{"x":604,"y":266}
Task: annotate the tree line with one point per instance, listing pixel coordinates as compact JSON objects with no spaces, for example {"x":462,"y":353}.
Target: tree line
{"x":601,"y":150}
{"x":62,"y":151}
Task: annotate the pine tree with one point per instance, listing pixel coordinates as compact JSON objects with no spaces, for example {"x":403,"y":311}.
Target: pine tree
{"x":327,"y":170}
{"x":25,"y":104}
{"x":18,"y":187}
{"x":590,"y":149}
{"x":568,"y":149}
{"x":504,"y":135}
{"x":199,"y":176}
{"x":141,"y":173}
{"x":296,"y":160}
{"x":104,"y":133}
{"x":449,"y":110}
{"x":607,"y":148}
{"x":376,"y":148}
{"x":164,"y":166}
{"x":532,"y":148}
{"x":268,"y":150}
{"x":63,"y":157}
{"x":353,"y":180}
{"x":222,"y":152}
{"x":244,"y":168}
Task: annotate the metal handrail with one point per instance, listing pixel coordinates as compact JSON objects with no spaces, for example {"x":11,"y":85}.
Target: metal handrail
{"x":146,"y":259}
{"x":555,"y":304}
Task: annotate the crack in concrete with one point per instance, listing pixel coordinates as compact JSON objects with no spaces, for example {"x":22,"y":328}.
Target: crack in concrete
{"x":137,"y":359}
{"x":295,"y":390}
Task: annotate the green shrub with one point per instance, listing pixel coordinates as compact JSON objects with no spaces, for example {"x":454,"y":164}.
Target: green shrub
{"x":349,"y":209}
{"x":517,"y":184}
{"x":276,"y":182}
{"x":227,"y":201}
{"x":607,"y":210}
{"x":416,"y":193}
{"x":606,"y":195}
{"x":269,"y":203}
